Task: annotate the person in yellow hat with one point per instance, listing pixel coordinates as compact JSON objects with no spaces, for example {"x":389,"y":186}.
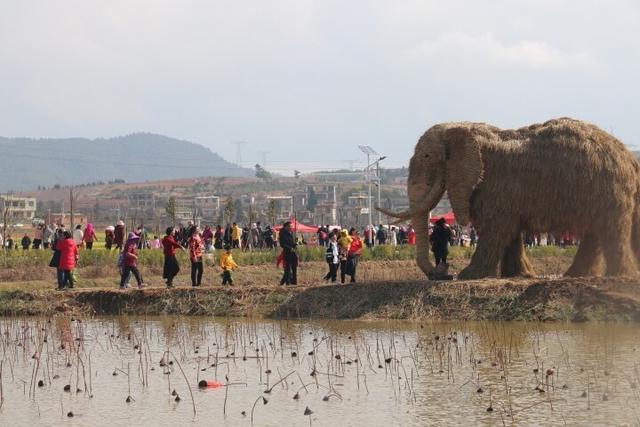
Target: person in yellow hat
{"x":344,"y":243}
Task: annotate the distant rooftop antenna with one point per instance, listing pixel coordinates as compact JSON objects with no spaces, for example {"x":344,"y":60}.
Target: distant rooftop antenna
{"x":239,"y":145}
{"x":350,"y":163}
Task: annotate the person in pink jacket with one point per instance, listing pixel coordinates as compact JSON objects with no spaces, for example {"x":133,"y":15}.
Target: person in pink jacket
{"x":89,"y":236}
{"x":68,"y":260}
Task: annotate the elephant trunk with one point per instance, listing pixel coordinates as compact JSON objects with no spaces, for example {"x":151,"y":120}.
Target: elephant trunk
{"x":421,"y":224}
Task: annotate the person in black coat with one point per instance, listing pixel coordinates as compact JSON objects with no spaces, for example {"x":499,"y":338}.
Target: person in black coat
{"x":440,"y":239}
{"x":288,"y":245}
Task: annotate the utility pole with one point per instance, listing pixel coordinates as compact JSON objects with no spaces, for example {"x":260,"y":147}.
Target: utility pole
{"x":368,"y":151}
{"x":71,"y":206}
{"x":379,"y":185}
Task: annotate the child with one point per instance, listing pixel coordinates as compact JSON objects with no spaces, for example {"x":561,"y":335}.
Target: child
{"x":228,"y":264}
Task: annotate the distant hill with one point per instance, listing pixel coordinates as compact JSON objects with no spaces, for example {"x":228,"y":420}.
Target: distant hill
{"x":27,"y":163}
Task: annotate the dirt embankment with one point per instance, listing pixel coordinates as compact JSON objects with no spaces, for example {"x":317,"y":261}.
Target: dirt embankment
{"x":495,"y":299}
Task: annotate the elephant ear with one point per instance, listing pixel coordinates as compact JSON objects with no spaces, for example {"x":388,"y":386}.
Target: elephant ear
{"x":464,"y":170}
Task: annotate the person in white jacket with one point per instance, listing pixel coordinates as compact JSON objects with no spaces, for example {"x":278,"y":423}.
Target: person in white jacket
{"x":332,"y":258}
{"x":78,"y":235}
{"x":393,"y":236}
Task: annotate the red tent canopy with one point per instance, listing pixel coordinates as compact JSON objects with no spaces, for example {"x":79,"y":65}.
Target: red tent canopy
{"x":298,"y":227}
{"x":449,"y":217}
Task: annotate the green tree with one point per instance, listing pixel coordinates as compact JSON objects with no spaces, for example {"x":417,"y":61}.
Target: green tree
{"x":312,"y":199}
{"x":273,"y":210}
{"x":262,"y":173}
{"x":240,"y":216}
{"x":229,"y":209}
{"x":171,"y":209}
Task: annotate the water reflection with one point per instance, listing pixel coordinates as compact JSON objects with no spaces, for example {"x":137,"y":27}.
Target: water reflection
{"x":134,"y":371}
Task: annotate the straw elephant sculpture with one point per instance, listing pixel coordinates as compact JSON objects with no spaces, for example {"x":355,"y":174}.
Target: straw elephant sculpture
{"x":560,"y":176}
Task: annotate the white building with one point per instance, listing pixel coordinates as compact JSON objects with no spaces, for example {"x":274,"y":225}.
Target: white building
{"x":17,"y":208}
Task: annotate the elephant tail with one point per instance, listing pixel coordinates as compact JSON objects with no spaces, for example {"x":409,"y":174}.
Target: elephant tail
{"x":635,"y":230}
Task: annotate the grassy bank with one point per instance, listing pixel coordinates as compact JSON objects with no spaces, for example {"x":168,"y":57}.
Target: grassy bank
{"x":390,"y":286}
{"x":560,"y":299}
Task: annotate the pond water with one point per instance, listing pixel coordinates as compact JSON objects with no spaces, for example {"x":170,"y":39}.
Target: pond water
{"x":124,"y":371}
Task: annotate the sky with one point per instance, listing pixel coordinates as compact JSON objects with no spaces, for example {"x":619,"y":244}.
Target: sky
{"x":308,"y":81}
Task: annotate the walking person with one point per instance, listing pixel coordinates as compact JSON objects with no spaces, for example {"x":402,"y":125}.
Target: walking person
{"x":207,"y":238}
{"x":218,"y":237}
{"x":440,"y":239}
{"x":236,"y":234}
{"x":38,"y":236}
{"x":393,"y":236}
{"x":130,"y":262}
{"x":89,"y":236}
{"x":411,"y":235}
{"x":171,"y":266}
{"x":368,"y":236}
{"x":68,"y":260}
{"x":254,"y":236}
{"x":109,"y":237}
{"x":228,"y":265}
{"x":25,"y":242}
{"x":196,"y":248}
{"x":344,"y":243}
{"x":58,"y":235}
{"x":381,"y":235}
{"x":47,"y":236}
{"x":269,"y":242}
{"x":288,"y":245}
{"x":355,"y":252}
{"x":78,"y":235}
{"x":331,"y":255}
{"x":260,"y":233}
{"x":118,"y":235}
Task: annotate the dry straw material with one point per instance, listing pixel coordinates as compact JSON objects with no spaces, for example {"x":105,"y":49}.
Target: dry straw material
{"x":561,"y":176}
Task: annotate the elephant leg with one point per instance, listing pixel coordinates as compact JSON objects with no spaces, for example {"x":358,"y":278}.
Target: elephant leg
{"x":514,"y":261}
{"x":588,"y":260}
{"x":486,"y":258}
{"x":618,"y":253}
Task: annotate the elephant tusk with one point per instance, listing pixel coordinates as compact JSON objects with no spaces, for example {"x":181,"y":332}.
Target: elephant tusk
{"x":403,"y":216}
{"x":399,"y":215}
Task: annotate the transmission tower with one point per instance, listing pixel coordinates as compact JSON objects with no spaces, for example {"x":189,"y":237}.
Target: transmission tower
{"x":263,"y":155}
{"x":239,"y":145}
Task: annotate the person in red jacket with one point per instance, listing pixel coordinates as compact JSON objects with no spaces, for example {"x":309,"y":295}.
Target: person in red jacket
{"x":196,"y":248}
{"x":130,"y":261}
{"x":355,"y":252}
{"x":411,"y":235}
{"x":68,"y":260}
{"x":171,"y":266}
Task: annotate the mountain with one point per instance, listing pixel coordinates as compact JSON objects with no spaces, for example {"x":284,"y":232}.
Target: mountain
{"x":27,"y":163}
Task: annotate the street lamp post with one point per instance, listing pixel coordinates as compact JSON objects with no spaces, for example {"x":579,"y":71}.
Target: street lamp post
{"x":370,"y":151}
{"x":379,"y":185}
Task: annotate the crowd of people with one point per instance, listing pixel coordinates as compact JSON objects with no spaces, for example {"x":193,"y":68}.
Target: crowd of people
{"x":343,"y":248}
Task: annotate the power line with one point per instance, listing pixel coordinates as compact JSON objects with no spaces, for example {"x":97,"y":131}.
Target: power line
{"x":213,"y":165}
{"x":177,"y":159}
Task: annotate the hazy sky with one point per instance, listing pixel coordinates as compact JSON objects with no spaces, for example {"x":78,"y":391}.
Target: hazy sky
{"x":310,"y":80}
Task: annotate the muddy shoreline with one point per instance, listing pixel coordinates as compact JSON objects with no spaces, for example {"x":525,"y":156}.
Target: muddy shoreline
{"x":570,"y":299}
